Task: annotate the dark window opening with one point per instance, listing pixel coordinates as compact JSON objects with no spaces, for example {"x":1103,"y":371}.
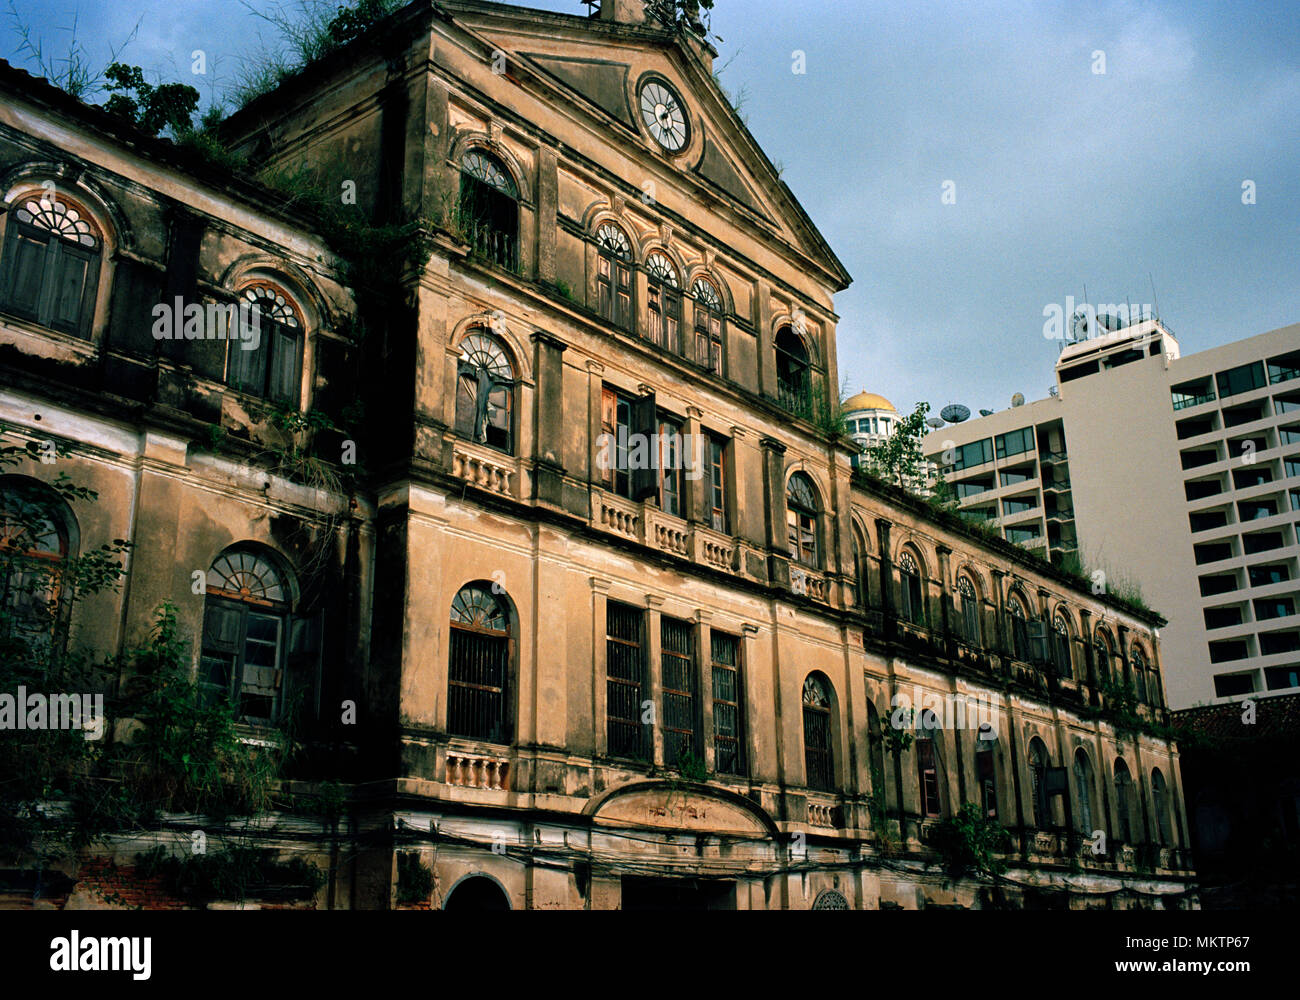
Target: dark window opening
{"x":677,"y":660}
{"x":728,"y":710}
{"x":489,"y":209}
{"x":928,"y":772}
{"x":793,"y":373}
{"x":1230,"y":685}
{"x":625,"y":681}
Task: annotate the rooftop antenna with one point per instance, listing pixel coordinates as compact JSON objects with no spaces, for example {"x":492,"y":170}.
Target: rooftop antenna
{"x":1155,"y":302}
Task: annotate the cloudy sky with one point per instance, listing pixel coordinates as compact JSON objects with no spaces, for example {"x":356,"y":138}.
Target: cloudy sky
{"x":1063,"y":176}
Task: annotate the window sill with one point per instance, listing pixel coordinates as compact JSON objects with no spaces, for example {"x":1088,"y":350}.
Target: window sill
{"x":82,"y":348}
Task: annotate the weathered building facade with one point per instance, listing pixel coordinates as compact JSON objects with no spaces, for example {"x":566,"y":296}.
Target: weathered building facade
{"x":600,"y":615}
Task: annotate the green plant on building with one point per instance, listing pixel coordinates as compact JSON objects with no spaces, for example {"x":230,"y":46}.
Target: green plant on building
{"x":970,"y":842}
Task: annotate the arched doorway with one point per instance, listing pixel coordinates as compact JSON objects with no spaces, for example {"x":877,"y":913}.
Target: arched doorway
{"x":477,"y":893}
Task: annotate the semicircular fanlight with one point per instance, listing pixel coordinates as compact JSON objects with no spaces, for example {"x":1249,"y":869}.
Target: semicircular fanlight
{"x":474,"y":607}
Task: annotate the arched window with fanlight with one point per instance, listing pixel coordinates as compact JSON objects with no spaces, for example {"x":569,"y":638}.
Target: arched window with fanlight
{"x":485,"y":388}
{"x":269,"y":365}
{"x":1019,"y":629}
{"x":1125,"y":831}
{"x":1038,"y":764}
{"x":910,"y":590}
{"x":970,"y":610}
{"x":49,"y":272}
{"x":478,"y":679}
{"x":614,"y":275}
{"x":38,"y":534}
{"x":663,"y":303}
{"x":708,"y":326}
{"x":489,"y":208}
{"x":1140,"y":673}
{"x":793,"y":372}
{"x":819,"y":761}
{"x":801,"y":520}
{"x":247,"y":619}
{"x":1101,"y":655}
{"x":1061,"y":647}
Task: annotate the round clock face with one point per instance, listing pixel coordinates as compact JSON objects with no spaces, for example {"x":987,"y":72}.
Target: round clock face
{"x":661,"y":110}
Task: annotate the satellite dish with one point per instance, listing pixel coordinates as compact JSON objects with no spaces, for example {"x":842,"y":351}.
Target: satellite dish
{"x":955,"y":413}
{"x":1018,"y":399}
{"x":1079,"y":325}
{"x":986,"y":413}
{"x":935,"y":422}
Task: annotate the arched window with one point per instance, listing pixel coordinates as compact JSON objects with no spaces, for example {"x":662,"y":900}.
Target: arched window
{"x":1140,"y":673}
{"x":970,"y":610}
{"x":860,"y":595}
{"x":489,"y":208}
{"x":927,"y":770}
{"x":485,"y":390}
{"x":1083,"y":784}
{"x":793,"y":373}
{"x":801,"y":520}
{"x":1101,"y":653}
{"x":1038,"y":763}
{"x":1019,"y":629}
{"x":1160,"y":795}
{"x":819,"y":762}
{"x":986,"y":770}
{"x":50,"y":269}
{"x":911,"y":594}
{"x":37,"y":536}
{"x":271,"y":368}
{"x":246,"y":619}
{"x":1125,"y":832}
{"x":614,"y":275}
{"x":1061,"y":647}
{"x":663,"y":303}
{"x":708,"y":326}
{"x":478,"y":679}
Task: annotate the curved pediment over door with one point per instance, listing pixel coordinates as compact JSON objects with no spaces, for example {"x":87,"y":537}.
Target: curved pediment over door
{"x":678,"y":807}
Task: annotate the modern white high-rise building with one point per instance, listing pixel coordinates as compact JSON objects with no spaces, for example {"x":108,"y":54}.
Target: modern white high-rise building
{"x":1179,"y":473}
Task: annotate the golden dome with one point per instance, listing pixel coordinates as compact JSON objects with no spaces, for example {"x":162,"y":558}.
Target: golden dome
{"x":867,"y":401}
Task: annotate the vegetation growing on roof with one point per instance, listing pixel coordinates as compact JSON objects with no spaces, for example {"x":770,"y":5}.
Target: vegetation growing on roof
{"x":305,"y":31}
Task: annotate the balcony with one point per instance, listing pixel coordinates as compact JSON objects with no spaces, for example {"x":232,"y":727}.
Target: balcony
{"x":1183,"y":402}
{"x":807,"y":583}
{"x":473,"y":771}
{"x":795,"y":397}
{"x":485,"y":468}
{"x":645,"y":524}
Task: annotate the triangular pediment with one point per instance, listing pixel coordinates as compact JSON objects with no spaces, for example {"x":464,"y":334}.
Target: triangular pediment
{"x":602,"y":82}
{"x":715,"y":167}
{"x":598,"y":69}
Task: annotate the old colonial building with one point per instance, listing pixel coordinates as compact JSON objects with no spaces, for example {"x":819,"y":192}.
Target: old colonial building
{"x":583,"y":606}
